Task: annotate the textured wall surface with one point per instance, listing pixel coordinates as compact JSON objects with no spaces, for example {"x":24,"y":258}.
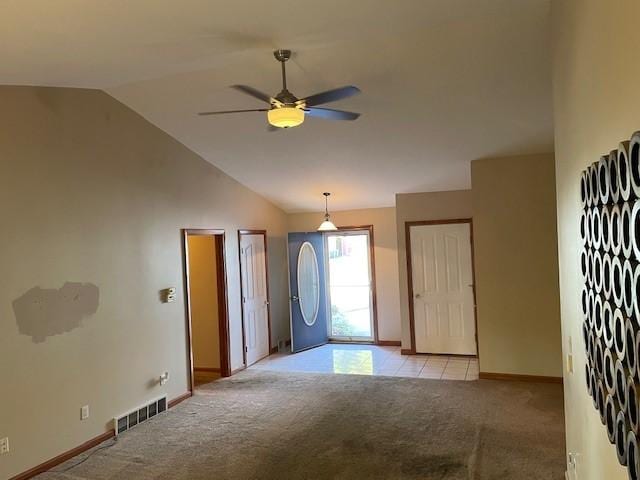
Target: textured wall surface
{"x":93,"y":194}
{"x":516,"y":265}
{"x":596,"y":105}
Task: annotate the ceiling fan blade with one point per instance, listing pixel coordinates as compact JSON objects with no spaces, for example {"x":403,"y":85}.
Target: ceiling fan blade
{"x":329,"y":96}
{"x":330,"y":114}
{"x":255,"y":93}
{"x":234,"y":111}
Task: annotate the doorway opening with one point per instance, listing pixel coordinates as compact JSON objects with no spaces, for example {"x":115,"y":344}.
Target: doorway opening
{"x":351,"y":285}
{"x":254,"y":286}
{"x":441,"y":287}
{"x":206,"y":305}
{"x":332,"y":287}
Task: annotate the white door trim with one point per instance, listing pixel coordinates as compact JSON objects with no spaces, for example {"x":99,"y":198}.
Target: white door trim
{"x":408,"y":226}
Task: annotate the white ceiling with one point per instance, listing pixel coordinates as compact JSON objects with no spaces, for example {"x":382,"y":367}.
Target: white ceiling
{"x":443,"y":82}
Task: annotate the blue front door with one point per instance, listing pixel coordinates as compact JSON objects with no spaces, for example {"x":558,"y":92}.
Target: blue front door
{"x":307,"y":289}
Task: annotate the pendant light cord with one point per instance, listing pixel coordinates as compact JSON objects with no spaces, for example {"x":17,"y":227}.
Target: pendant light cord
{"x":326,"y":205}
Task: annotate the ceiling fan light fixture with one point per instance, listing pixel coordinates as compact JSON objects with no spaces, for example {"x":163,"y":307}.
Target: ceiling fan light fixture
{"x":285,"y":117}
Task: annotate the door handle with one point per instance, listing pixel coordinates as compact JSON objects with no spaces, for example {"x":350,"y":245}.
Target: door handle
{"x":294,"y":298}
{"x":417,"y":295}
{"x":266,"y":302}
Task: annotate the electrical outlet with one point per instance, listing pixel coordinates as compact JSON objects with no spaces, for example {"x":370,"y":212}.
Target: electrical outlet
{"x":84,"y":412}
{"x":4,"y":445}
{"x":168,"y":295}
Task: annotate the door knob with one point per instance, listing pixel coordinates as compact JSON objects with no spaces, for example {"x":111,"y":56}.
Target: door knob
{"x":417,"y":295}
{"x":294,"y":298}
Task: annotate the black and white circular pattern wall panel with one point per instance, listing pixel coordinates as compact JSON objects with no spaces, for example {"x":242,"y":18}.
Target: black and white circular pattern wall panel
{"x":610,"y":297}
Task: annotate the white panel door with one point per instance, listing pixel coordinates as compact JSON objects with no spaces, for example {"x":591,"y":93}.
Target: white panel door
{"x":254,"y":297}
{"x":442,"y":279}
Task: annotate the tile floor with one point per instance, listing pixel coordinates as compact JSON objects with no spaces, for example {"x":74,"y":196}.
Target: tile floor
{"x":372,"y":360}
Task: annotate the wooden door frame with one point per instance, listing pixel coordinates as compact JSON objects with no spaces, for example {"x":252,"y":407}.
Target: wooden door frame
{"x":223,"y":302}
{"x":372,"y":262}
{"x":407,"y":238}
{"x":241,"y":233}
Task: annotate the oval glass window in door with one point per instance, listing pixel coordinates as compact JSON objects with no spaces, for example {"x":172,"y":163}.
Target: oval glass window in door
{"x":308,"y":283}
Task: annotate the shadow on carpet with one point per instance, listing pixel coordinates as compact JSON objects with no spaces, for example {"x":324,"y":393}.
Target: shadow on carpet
{"x":273,"y":425}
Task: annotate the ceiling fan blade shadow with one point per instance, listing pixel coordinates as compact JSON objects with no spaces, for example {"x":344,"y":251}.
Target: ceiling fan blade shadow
{"x":330,"y":114}
{"x":329,"y":96}
{"x":222,"y":112}
{"x":255,"y":93}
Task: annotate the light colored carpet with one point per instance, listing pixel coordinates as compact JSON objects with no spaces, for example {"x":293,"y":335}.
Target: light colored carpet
{"x":272,"y":425}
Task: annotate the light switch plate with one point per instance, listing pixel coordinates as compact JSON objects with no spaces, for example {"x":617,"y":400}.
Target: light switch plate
{"x":84,"y":412}
{"x":572,"y":466}
{"x":4,"y":445}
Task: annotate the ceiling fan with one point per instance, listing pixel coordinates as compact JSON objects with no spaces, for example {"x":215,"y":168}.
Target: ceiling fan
{"x":286,"y":110}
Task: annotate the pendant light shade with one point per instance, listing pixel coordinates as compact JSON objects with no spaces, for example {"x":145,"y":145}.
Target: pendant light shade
{"x":327,"y":225}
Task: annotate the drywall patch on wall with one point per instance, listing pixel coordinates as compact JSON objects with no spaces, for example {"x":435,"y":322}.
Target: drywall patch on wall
{"x":44,"y":312}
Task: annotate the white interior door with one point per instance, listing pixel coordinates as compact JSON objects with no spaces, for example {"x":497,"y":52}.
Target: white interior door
{"x":442,"y":280}
{"x":255,"y":303}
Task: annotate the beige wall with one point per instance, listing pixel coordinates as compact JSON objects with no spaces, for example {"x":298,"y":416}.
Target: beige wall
{"x":596,"y":105}
{"x":91,"y":192}
{"x":412,"y":207}
{"x":386,"y":261}
{"x":203,"y":291}
{"x":516,"y":265}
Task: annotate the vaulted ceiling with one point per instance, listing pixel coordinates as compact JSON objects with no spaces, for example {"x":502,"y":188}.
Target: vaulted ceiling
{"x":443,"y":82}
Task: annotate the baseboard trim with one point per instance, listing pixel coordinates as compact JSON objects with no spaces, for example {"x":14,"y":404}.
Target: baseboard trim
{"x":207,"y":369}
{"x":457,"y":355}
{"x":407,"y":351}
{"x":89,"y":444}
{"x":180,"y":399}
{"x":63,"y":457}
{"x":237,"y":370}
{"x":512,"y":377}
{"x":389,"y":343}
{"x":350,"y":342}
{"x":272,"y":350}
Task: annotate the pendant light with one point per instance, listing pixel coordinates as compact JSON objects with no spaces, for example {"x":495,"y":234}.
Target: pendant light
{"x":327,"y":225}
